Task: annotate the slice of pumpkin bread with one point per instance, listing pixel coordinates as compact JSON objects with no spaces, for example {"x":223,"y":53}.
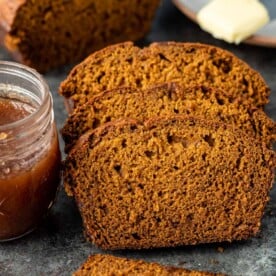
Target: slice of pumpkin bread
{"x":187,"y":63}
{"x":166,"y":99}
{"x":168,"y":182}
{"x":108,"y":265}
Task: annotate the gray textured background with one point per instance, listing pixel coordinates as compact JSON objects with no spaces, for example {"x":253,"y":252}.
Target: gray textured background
{"x":58,"y":247}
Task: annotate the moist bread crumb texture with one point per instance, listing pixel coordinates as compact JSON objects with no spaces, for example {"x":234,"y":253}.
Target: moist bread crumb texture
{"x":107,"y":265}
{"x":166,"y":99}
{"x":48,"y":33}
{"x":187,"y":63}
{"x":168,"y":145}
{"x":169,"y":181}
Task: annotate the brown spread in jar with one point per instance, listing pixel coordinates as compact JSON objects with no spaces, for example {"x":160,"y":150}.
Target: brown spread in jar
{"x":27,"y":185}
{"x":12,"y":110}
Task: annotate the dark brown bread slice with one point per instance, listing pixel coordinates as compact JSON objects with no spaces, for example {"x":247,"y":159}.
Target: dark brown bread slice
{"x":108,"y":265}
{"x":166,"y":99}
{"x":168,"y":182}
{"x":187,"y":63}
{"x":48,"y":33}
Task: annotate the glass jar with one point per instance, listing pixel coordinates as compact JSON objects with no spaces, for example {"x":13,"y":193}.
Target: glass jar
{"x":29,"y":150}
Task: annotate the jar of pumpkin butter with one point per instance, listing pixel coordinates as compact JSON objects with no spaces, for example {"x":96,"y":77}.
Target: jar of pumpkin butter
{"x":29,"y":150}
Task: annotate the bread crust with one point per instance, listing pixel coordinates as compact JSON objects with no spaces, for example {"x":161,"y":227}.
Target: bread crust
{"x":146,"y":62}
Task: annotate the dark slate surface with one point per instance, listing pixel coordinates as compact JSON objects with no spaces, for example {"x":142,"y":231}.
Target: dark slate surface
{"x":58,"y":247}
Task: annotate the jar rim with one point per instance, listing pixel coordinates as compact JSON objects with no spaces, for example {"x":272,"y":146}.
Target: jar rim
{"x":27,"y":72}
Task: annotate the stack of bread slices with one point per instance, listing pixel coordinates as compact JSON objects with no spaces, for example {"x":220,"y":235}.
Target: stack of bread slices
{"x":167,"y":145}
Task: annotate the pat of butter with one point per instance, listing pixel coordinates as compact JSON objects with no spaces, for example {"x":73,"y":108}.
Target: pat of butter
{"x":232,"y":20}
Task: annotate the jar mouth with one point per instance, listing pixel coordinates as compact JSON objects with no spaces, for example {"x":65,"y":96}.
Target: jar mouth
{"x":24,"y":73}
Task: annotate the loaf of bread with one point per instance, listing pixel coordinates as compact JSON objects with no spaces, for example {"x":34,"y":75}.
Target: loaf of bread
{"x":169,"y":181}
{"x":166,"y":99}
{"x":48,"y":33}
{"x":187,"y":63}
{"x":108,"y":265}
